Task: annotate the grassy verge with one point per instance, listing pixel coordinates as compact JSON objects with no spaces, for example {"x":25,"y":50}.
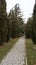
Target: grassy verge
{"x":34,"y":54}
{"x":6,"y":47}
{"x":31,"y":52}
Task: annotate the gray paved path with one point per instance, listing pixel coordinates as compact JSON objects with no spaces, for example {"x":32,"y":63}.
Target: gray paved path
{"x":16,"y":56}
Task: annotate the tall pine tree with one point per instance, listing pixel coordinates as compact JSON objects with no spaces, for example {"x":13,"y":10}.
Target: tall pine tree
{"x":34,"y":25}
{"x":3,"y":23}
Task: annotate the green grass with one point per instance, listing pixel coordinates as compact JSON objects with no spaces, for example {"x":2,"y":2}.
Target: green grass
{"x":34,"y":54}
{"x":31,"y":52}
{"x":6,"y":48}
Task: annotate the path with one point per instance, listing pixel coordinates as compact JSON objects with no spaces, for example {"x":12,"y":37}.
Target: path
{"x":16,"y":56}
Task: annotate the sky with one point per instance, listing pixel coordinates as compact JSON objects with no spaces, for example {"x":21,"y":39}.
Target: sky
{"x":26,"y":7}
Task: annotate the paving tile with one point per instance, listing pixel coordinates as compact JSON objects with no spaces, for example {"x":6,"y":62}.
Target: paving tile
{"x":16,"y":55}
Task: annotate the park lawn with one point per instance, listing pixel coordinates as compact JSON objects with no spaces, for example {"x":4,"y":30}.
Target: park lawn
{"x":31,"y":52}
{"x":6,"y":47}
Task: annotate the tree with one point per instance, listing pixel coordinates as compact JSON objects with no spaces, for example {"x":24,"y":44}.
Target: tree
{"x":28,"y":29}
{"x":16,"y":21}
{"x":21,"y":25}
{"x":12,"y":22}
{"x":3,"y":7}
{"x":8,"y":30}
{"x":34,"y":25}
{"x":3,"y":21}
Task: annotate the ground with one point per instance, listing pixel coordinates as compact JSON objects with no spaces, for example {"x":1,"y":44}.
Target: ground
{"x":17,"y":55}
{"x":31,"y":52}
{"x":5,"y":48}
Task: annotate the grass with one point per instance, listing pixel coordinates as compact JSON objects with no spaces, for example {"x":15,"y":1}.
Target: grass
{"x":34,"y":53}
{"x":6,"y":48}
{"x":31,"y":52}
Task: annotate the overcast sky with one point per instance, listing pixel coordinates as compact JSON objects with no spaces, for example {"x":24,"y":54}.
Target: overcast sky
{"x":25,"y":5}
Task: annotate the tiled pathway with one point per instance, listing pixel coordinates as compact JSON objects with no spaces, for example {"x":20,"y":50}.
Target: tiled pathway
{"x":16,"y":56}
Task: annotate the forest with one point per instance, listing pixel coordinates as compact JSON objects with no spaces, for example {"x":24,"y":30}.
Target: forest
{"x":12,"y":24}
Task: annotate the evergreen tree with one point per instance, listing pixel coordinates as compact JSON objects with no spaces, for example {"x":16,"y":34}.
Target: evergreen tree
{"x":17,"y":24}
{"x":28,"y":28}
{"x":2,"y":6}
{"x":3,"y":21}
{"x":34,"y":25}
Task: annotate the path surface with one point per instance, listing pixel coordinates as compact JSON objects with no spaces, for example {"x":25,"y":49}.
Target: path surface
{"x":16,"y":56}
